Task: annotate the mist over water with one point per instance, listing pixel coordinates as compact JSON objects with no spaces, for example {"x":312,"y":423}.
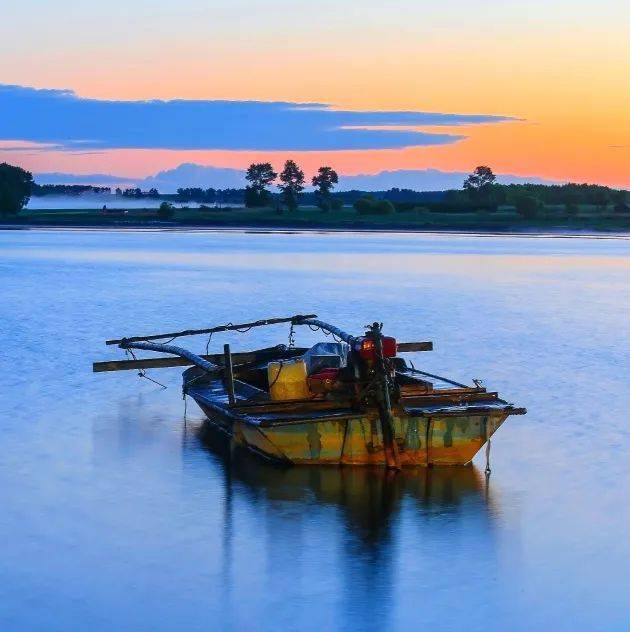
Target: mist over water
{"x":117,"y":514}
{"x":95,"y":201}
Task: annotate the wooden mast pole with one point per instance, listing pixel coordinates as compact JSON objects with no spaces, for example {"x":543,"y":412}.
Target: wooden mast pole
{"x":392,"y":458}
{"x":229,"y":374}
{"x":211,"y":330}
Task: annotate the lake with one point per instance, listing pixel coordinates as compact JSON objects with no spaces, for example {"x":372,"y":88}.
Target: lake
{"x":117,"y":514}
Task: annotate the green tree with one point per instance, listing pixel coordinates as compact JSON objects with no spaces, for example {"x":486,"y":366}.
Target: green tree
{"x":601,"y":198}
{"x":259,"y":175}
{"x":385,"y":207}
{"x":165,"y":211}
{"x":365,"y":205}
{"x":291,"y":184}
{"x":369,"y":205}
{"x":324,"y":182}
{"x":480,"y":187}
{"x":15,"y":189}
{"x":571,"y":200}
{"x":527,"y":205}
{"x":621,"y":203}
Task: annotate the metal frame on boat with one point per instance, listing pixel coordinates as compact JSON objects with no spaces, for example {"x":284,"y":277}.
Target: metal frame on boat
{"x":354,"y":402}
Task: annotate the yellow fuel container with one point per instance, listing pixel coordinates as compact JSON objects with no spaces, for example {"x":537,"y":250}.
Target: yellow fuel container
{"x":287,"y":380}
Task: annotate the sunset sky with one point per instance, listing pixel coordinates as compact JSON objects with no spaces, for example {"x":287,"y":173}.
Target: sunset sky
{"x":548,"y":84}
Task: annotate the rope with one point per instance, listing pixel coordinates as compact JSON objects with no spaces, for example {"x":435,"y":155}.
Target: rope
{"x":142,"y":372}
{"x":277,"y":376}
{"x":488,"y":470}
{"x":208,"y":344}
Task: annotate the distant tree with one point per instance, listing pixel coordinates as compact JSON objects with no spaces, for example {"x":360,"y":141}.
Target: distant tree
{"x":571,"y":200}
{"x":118,"y":191}
{"x":165,"y":211}
{"x":336,"y":203}
{"x":324,"y":182}
{"x":480,"y":187}
{"x":601,"y":198}
{"x":385,"y":207}
{"x":621,"y":203}
{"x":15,"y":189}
{"x":369,"y":205}
{"x":365,"y":205}
{"x":259,"y":175}
{"x":291,"y":184}
{"x":133,"y":192}
{"x":482,"y":177}
{"x":154,"y":193}
{"x":527,"y":205}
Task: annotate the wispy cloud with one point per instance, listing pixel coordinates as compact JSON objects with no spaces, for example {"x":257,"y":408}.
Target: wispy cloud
{"x":75,"y":123}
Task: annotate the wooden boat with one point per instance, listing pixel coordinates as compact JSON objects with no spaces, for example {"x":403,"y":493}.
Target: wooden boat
{"x":354,"y":401}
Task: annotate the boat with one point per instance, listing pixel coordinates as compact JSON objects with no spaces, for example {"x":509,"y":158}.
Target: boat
{"x":349,"y":400}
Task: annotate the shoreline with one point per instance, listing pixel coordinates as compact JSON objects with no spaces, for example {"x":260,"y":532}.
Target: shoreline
{"x":288,"y":229}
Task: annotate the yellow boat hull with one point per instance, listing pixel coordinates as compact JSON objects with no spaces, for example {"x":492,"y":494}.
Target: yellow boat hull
{"x":421,"y":441}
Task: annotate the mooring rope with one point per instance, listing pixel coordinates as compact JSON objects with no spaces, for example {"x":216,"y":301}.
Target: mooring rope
{"x":488,"y":470}
{"x":142,"y":372}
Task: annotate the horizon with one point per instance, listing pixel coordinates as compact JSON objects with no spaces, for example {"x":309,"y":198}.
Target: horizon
{"x":534,"y":91}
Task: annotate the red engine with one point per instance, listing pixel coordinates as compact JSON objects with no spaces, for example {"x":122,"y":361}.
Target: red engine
{"x":366,"y":347}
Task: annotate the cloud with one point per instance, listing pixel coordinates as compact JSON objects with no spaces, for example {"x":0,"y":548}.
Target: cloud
{"x":75,"y":123}
{"x":204,"y":176}
{"x":423,"y":180}
{"x":191,"y":175}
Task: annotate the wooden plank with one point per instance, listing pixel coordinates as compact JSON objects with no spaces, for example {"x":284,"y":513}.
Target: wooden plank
{"x":165,"y":362}
{"x":407,"y":347}
{"x":237,"y":358}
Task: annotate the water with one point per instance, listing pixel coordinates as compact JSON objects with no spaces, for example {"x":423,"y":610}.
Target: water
{"x":115,"y":515}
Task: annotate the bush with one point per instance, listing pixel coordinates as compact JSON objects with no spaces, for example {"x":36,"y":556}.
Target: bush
{"x":385,"y":207}
{"x":364,"y":205}
{"x":165,"y":211}
{"x":336,"y":204}
{"x":405,"y":207}
{"x":527,"y":206}
{"x":368,"y":205}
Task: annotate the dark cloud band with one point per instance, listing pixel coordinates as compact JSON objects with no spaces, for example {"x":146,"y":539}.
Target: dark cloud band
{"x":76,"y":123}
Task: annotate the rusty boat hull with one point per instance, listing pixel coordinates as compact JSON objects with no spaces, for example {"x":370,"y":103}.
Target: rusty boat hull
{"x":444,"y":435}
{"x":353,"y":401}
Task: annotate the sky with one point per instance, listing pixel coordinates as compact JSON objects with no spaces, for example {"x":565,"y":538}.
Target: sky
{"x":536,"y":89}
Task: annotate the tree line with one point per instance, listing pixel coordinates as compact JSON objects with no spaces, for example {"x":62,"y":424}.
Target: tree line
{"x":67,"y":189}
{"x":480,"y":191}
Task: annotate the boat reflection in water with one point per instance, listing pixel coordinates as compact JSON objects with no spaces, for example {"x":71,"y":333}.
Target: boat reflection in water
{"x":354,"y":546}
{"x":370,"y":498}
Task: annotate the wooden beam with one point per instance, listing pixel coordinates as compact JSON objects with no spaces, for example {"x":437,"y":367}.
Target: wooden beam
{"x":165,"y":362}
{"x":406,"y":347}
{"x":237,"y":358}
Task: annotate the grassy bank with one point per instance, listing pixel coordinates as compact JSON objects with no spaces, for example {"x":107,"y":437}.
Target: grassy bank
{"x":505,"y":219}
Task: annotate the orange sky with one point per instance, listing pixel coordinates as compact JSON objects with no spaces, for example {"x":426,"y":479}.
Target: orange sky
{"x":562,"y":67}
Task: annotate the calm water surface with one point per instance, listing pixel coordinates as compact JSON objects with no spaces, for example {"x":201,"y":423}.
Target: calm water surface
{"x":115,"y":515}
